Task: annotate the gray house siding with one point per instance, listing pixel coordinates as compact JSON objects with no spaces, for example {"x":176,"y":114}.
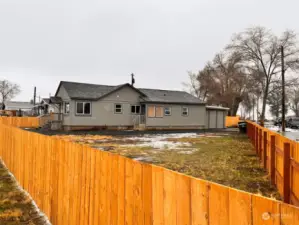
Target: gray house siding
{"x":102,"y":111}
{"x":196,"y":117}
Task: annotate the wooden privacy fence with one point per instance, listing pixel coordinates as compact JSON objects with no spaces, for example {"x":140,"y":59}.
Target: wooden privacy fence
{"x":232,"y":121}
{"x":25,"y":122}
{"x":280,"y":156}
{"x":75,"y":184}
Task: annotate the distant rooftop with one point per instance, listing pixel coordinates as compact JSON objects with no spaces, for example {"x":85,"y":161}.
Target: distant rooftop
{"x":15,"y":105}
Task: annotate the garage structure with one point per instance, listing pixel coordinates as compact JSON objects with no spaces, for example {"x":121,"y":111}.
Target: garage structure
{"x":215,"y":117}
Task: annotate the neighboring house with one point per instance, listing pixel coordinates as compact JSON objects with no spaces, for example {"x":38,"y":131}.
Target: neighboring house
{"x":90,"y":106}
{"x":47,"y":106}
{"x":14,"y":105}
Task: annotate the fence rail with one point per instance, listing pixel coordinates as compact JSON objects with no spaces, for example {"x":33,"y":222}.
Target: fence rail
{"x":75,"y":184}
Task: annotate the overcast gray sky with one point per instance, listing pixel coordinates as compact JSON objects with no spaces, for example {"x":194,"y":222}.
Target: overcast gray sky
{"x":103,"y":41}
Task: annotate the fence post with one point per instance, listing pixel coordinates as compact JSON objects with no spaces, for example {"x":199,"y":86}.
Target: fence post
{"x":260,"y":143}
{"x":256,"y":139}
{"x":272,"y":160}
{"x":265,"y":150}
{"x":286,"y":172}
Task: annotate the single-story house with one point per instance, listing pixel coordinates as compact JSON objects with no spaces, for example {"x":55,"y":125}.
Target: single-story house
{"x":91,"y":106}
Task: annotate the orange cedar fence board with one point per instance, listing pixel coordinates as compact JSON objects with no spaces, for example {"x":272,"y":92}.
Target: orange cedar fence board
{"x":232,"y":121}
{"x":285,"y":159}
{"x":74,"y":184}
{"x":24,"y":122}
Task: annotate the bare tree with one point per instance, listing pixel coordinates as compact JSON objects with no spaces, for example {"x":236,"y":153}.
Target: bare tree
{"x":8,"y":90}
{"x":294,"y":100}
{"x":274,"y":101}
{"x":200,"y":83}
{"x":260,"y":50}
{"x":192,"y":86}
{"x":222,"y":82}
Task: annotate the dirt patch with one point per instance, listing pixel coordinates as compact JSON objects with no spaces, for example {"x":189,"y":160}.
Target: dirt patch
{"x":16,"y":207}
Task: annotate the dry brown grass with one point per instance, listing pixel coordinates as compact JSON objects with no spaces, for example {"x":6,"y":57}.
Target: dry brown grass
{"x":228,"y":160}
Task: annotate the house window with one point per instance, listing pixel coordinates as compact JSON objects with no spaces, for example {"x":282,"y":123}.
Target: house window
{"x":151,"y":111}
{"x":185,"y":111}
{"x":155,"y":111}
{"x":83,"y":108}
{"x":135,"y":109}
{"x":167,"y":111}
{"x":159,"y":111}
{"x":66,"y":108}
{"x":118,"y":108}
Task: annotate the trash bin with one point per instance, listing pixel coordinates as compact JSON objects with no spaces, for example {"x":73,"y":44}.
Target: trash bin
{"x":242,"y":127}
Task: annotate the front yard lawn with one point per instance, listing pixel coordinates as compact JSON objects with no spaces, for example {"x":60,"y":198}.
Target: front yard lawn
{"x":226,"y":159}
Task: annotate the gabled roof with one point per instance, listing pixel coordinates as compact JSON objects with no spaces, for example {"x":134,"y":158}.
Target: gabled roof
{"x":95,"y":92}
{"x":45,"y":101}
{"x":90,"y":91}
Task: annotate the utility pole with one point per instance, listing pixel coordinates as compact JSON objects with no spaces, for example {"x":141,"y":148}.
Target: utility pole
{"x":34,"y":96}
{"x":283,"y":125}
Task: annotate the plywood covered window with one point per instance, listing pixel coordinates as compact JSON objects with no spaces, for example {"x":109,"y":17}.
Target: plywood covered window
{"x":155,"y":111}
{"x":151,"y":112}
{"x":159,"y":111}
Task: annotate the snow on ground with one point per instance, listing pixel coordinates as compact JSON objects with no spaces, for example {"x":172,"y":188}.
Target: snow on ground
{"x":161,"y":142}
{"x":278,"y":129}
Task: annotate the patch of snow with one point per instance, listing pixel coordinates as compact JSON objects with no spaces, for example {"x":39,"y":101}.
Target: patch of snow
{"x":186,"y":152}
{"x":159,"y":141}
{"x":144,"y":159}
{"x":278,"y":129}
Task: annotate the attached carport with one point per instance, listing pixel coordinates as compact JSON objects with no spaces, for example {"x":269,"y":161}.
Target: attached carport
{"x":215,"y":117}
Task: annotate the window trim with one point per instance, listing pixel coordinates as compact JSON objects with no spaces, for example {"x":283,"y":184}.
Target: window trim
{"x":165,"y":107}
{"x":83,"y":114}
{"x":135,"y":110}
{"x":185,"y":107}
{"x":121,"y":112}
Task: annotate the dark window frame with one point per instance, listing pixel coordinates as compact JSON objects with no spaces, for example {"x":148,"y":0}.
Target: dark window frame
{"x":135,"y":106}
{"x":185,"y":107}
{"x":83,"y":113}
{"x":169,"y":109}
{"x":115,"y":108}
